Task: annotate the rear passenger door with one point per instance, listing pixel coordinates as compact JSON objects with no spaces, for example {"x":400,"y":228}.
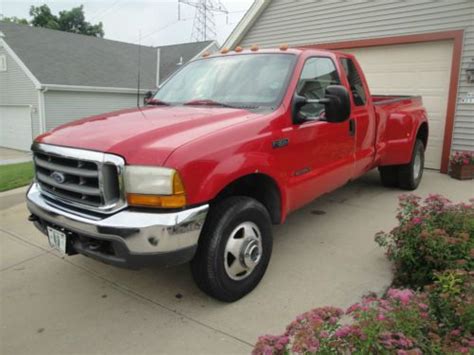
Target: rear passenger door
{"x":362,"y":118}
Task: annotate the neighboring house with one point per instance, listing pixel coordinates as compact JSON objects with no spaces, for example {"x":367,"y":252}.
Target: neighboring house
{"x":50,"y":77}
{"x":421,"y":48}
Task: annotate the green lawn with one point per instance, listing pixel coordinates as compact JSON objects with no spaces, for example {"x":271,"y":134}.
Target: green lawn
{"x":15,"y":175}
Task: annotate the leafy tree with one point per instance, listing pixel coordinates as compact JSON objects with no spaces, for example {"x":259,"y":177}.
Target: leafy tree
{"x":72,"y":20}
{"x":14,"y":19}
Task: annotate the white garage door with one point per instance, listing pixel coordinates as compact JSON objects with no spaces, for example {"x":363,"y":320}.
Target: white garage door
{"x":15,"y":127}
{"x":413,"y":69}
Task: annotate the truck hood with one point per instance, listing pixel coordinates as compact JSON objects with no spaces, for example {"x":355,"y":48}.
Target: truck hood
{"x":147,"y":136}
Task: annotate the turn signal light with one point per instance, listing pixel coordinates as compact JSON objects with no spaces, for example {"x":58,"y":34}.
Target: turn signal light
{"x":156,"y":201}
{"x":176,"y":200}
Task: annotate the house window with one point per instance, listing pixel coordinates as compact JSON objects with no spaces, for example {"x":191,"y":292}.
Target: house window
{"x":3,"y":62}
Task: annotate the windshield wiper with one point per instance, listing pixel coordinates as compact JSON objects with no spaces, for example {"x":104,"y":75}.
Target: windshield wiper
{"x":206,"y":102}
{"x":157,"y":102}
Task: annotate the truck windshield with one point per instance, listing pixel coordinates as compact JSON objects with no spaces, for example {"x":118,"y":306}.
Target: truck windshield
{"x":247,"y":81}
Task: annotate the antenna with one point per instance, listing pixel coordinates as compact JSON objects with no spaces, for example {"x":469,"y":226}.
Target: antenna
{"x":204,"y":26}
{"x":139,"y":67}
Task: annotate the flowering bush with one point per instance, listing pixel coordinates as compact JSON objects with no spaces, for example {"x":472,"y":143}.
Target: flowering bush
{"x":400,"y":323}
{"x":432,"y":235}
{"x":433,"y":252}
{"x":462,"y":158}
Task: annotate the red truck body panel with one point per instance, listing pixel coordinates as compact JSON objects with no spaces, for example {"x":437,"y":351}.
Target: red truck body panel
{"x":212,"y":147}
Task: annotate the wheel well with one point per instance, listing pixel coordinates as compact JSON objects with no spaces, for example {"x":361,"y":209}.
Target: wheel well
{"x":423,"y":133}
{"x":260,"y":187}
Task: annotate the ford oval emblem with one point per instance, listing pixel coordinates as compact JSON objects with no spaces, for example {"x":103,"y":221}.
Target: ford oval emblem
{"x":58,"y":177}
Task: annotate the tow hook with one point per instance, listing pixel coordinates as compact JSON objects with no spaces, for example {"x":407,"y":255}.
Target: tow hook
{"x":32,"y":218}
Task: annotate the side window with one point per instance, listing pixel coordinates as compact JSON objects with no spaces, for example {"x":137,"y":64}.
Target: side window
{"x":355,"y":82}
{"x":317,"y":74}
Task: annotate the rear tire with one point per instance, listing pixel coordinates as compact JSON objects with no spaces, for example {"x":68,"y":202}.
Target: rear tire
{"x":409,"y":175}
{"x":234,"y":248}
{"x":389,"y":175}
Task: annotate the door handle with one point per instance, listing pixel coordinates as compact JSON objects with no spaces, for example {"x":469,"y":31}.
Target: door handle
{"x":352,"y":127}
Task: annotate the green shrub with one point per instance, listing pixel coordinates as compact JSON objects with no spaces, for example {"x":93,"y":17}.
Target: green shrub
{"x":451,"y":300}
{"x":432,"y":236}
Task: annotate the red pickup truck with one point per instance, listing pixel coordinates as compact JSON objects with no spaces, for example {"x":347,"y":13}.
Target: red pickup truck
{"x":229,"y":145}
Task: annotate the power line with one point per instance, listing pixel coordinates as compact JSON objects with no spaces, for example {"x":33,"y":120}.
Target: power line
{"x":100,"y":14}
{"x":204,"y":26}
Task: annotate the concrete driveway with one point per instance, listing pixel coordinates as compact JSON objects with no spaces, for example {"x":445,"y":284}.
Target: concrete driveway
{"x":13,"y":156}
{"x":323,"y":255}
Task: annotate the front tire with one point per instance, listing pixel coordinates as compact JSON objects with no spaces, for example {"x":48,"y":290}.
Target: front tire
{"x":234,"y":248}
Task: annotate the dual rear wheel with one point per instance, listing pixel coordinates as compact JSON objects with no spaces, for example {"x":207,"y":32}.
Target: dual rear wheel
{"x":407,"y":176}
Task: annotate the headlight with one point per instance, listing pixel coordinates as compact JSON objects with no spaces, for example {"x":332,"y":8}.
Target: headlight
{"x":154,"y":187}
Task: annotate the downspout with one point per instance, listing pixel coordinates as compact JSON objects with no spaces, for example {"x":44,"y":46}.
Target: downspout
{"x":42,"y":110}
{"x":158,"y":67}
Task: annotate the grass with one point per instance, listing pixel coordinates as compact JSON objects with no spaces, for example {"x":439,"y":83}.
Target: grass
{"x":15,"y":175}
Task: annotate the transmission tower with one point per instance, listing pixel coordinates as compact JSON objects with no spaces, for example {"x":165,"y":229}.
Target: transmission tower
{"x":204,"y":25}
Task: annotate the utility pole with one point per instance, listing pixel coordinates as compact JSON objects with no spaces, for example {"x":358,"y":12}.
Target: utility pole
{"x":204,"y":26}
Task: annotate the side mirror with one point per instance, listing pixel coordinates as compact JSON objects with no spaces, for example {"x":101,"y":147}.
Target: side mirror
{"x":148,"y":96}
{"x":336,"y":101}
{"x":338,"y":109}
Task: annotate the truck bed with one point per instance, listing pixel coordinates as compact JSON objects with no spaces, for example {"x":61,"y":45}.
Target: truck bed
{"x":388,"y":99}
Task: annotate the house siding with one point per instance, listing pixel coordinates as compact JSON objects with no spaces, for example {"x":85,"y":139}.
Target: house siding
{"x":16,"y":88}
{"x":65,"y":106}
{"x":314,"y":22}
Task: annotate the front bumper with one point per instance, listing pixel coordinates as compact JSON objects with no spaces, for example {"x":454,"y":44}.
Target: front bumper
{"x":127,"y":238}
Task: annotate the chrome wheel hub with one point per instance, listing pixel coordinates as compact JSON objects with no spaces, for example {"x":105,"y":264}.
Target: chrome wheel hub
{"x":417,"y":165}
{"x":243,"y":251}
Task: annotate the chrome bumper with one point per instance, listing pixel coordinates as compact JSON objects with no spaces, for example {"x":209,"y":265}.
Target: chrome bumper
{"x":142,"y":233}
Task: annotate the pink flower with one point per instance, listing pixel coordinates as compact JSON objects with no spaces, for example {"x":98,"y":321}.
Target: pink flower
{"x":455,"y":333}
{"x":381,"y":317}
{"x":343,"y":331}
{"x":423,"y":306}
{"x":403,"y":296}
{"x":417,"y":220}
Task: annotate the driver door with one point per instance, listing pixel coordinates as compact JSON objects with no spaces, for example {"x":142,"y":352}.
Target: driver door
{"x":320,"y":154}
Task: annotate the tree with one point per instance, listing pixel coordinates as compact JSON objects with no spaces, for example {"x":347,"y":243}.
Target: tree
{"x":72,"y":20}
{"x":14,"y":19}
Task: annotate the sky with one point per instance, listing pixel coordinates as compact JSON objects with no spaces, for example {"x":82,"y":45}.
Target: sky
{"x":124,"y":20}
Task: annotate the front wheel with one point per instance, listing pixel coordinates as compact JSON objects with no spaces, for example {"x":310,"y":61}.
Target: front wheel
{"x":234,"y":248}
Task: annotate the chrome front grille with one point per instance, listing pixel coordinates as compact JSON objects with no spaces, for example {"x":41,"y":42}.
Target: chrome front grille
{"x":80,"y":178}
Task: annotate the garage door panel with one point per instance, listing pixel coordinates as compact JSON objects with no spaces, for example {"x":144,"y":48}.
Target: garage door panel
{"x":15,"y":127}
{"x":413,"y":69}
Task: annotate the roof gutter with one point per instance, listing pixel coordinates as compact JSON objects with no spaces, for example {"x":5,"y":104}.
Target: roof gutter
{"x":246,"y":23}
{"x":103,"y":89}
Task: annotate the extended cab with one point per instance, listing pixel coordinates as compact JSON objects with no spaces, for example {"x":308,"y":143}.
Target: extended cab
{"x":229,"y":145}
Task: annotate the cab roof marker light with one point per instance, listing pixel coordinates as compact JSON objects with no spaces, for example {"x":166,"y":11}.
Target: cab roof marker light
{"x":254,"y":48}
{"x":224,"y":50}
{"x":206,"y":54}
{"x":238,"y":49}
{"x":284,"y":47}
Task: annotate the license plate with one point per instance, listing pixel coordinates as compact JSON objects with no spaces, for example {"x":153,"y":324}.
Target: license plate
{"x":57,"y":239}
